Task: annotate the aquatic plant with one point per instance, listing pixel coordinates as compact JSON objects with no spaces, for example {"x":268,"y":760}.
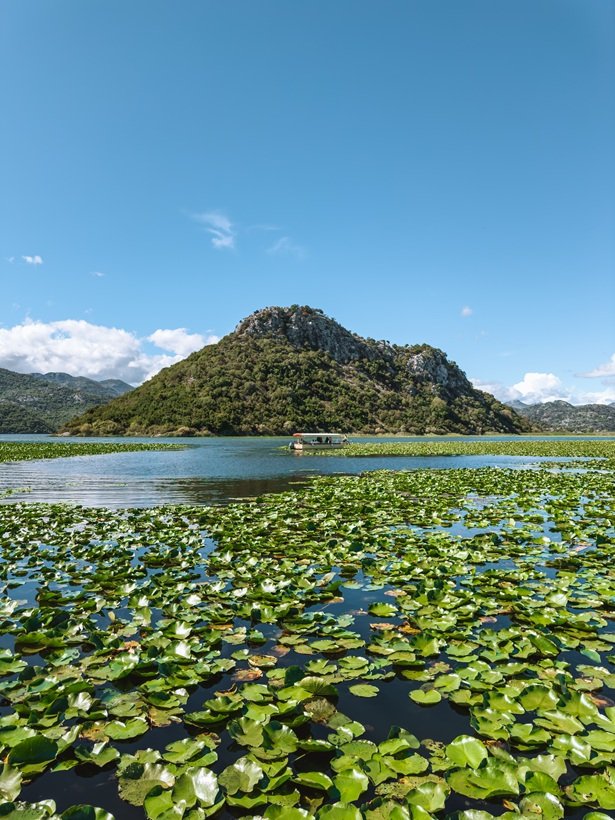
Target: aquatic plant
{"x":30,"y":450}
{"x":551,"y":448}
{"x":392,"y":645}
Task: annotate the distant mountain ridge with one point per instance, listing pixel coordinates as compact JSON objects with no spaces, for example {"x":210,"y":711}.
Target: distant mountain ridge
{"x":290,"y":368}
{"x":562,"y":417}
{"x":43,"y":402}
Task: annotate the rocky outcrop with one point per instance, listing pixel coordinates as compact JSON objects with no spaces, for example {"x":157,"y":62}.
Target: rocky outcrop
{"x":308,"y":328}
{"x":428,"y":365}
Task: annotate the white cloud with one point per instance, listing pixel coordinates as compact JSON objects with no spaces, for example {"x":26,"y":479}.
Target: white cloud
{"x":220,"y":228}
{"x":535,"y":388}
{"x":285,"y":246}
{"x":180,"y":342}
{"x":466,"y":311}
{"x":603,"y":371}
{"x":97,"y":273}
{"x":538,"y":387}
{"x":33,"y":260}
{"x":98,"y":352}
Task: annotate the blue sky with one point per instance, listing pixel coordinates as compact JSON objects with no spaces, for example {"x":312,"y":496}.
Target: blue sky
{"x":423,"y":171}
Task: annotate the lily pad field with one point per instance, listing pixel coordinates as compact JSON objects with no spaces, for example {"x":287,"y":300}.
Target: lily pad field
{"x":30,"y":451}
{"x":396,"y":644}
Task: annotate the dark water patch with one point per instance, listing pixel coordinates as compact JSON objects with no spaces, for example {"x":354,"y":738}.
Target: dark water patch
{"x":83,"y":784}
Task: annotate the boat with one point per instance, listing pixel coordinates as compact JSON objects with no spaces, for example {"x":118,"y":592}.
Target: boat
{"x":318,"y":441}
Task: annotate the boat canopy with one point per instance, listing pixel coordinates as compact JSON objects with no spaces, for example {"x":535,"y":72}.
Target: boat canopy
{"x":314,"y":435}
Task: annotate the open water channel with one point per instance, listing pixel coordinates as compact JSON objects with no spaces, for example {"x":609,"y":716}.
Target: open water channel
{"x":208,"y":470}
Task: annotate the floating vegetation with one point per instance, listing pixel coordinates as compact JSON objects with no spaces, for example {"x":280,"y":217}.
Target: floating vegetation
{"x":423,"y":644}
{"x":30,"y":450}
{"x":550,"y":448}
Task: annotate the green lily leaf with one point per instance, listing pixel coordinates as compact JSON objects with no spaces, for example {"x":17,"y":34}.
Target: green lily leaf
{"x":427,"y":697}
{"x":286,"y":813}
{"x":86,"y":813}
{"x":99,"y":755}
{"x":351,"y":783}
{"x":383,"y":809}
{"x":242,"y":775}
{"x":10,"y":783}
{"x":28,"y":811}
{"x":467,"y":751}
{"x":197,"y":785}
{"x":382,"y":610}
{"x":364,"y":690}
{"x":33,"y":754}
{"x":494,"y":778}
{"x":313,"y":780}
{"x":542,"y":806}
{"x":138,"y":779}
{"x":117,"y":730}
{"x":246,"y":732}
{"x":430,"y":796}
{"x":594,"y":788}
{"x":339,"y":811}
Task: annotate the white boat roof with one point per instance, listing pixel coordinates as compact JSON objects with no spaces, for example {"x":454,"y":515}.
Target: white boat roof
{"x":319,"y":434}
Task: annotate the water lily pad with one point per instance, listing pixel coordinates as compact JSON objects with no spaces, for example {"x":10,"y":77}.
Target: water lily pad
{"x":427,"y":697}
{"x":364,"y":690}
{"x":138,"y":779}
{"x":466,"y":751}
{"x":351,"y":783}
{"x":241,"y":776}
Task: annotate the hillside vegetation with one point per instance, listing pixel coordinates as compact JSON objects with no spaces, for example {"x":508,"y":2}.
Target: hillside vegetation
{"x":560,"y":416}
{"x":41,"y":403}
{"x":287,"y":369}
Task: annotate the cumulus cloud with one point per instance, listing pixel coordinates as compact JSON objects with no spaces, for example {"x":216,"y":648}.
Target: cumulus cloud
{"x":466,"y":311}
{"x":179,"y":341}
{"x":33,"y":260}
{"x":219,"y":227}
{"x":533,"y":388}
{"x":84,"y":349}
{"x":536,"y":388}
{"x":284,"y":246}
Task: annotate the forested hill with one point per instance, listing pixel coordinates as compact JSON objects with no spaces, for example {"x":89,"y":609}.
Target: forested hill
{"x":42,"y":402}
{"x":288,"y":369}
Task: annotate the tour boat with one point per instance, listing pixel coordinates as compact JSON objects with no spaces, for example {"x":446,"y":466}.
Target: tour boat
{"x":318,"y":441}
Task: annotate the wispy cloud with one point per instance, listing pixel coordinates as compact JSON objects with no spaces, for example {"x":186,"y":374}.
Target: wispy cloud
{"x":222,"y":231}
{"x":603,"y":371}
{"x":284,"y":246}
{"x":99,"y":274}
{"x":466,"y":311}
{"x":84,"y":349}
{"x":264,"y":226}
{"x":33,"y":260}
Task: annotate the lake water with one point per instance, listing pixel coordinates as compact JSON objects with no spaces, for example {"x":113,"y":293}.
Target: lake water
{"x":208,"y":471}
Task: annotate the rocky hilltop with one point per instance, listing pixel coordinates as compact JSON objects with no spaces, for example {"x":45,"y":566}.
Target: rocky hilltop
{"x":306,"y":328}
{"x":562,"y":417}
{"x":287,"y":369}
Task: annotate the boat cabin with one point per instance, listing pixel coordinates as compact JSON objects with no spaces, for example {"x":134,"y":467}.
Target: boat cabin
{"x":318,"y":441}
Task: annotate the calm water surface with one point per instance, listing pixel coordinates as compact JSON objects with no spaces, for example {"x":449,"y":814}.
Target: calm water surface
{"x":209,"y":470}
